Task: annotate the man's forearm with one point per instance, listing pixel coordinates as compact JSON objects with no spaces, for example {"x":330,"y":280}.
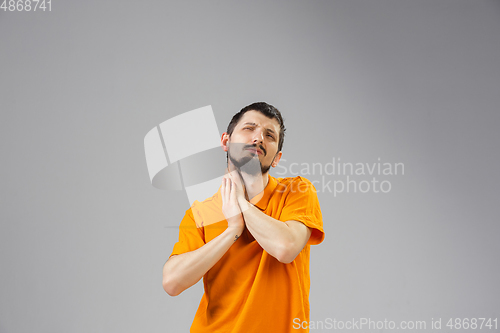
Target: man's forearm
{"x":275,"y":237}
{"x":184,"y":270}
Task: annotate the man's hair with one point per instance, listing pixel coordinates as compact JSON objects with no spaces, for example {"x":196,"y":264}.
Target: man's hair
{"x":268,"y":111}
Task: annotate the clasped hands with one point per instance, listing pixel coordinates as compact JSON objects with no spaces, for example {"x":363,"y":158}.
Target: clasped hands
{"x":233,"y":193}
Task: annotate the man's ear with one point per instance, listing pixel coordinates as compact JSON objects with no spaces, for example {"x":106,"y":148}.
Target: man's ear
{"x":223,"y":141}
{"x":276,"y":160}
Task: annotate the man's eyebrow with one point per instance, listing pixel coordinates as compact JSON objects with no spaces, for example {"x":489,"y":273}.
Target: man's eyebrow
{"x":254,"y":124}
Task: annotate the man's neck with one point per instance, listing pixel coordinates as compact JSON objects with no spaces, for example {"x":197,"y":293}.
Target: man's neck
{"x":255,"y":185}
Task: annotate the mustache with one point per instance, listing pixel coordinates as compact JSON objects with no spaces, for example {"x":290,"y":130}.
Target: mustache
{"x":255,"y":146}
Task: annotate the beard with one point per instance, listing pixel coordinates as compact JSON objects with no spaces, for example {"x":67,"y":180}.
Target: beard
{"x":247,"y":163}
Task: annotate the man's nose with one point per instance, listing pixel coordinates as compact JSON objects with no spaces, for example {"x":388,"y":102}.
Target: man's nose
{"x":258,"y":137}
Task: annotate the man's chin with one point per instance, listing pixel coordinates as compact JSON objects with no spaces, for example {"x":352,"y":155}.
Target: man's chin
{"x":250,"y":165}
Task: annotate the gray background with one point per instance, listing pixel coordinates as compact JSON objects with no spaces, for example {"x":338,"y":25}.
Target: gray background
{"x":84,"y":235}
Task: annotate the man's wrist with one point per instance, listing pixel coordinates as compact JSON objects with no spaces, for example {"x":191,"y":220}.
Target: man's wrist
{"x":234,"y":232}
{"x":244,"y":204}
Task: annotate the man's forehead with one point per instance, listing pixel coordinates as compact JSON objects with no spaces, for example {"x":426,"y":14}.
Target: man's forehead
{"x":257,"y":118}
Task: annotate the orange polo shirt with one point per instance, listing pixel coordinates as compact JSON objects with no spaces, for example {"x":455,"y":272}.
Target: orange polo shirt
{"x":248,"y":290}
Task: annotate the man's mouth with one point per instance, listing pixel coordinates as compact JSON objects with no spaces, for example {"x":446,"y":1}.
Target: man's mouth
{"x":255,"y":150}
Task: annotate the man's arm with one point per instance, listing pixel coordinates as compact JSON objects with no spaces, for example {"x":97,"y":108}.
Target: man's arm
{"x":282,"y":240}
{"x":184,"y":270}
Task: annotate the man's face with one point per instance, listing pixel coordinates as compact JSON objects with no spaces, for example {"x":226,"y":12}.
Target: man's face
{"x":253,"y":145}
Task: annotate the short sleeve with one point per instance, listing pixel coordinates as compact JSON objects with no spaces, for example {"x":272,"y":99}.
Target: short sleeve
{"x":302,"y":204}
{"x":190,"y":236}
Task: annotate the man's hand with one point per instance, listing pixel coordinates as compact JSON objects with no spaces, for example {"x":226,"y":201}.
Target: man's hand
{"x":230,"y":206}
{"x":184,"y":270}
{"x":239,"y":186}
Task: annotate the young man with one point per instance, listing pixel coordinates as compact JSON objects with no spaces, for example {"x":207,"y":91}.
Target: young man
{"x":250,"y":242}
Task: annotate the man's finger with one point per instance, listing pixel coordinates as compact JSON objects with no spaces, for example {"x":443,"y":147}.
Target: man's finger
{"x":223,"y":190}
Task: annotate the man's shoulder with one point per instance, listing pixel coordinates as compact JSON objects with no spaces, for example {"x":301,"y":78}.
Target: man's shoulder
{"x":297,"y":183}
{"x":208,"y":201}
{"x":293,"y":180}
{"x":208,"y":211}
{"x":211,"y":203}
